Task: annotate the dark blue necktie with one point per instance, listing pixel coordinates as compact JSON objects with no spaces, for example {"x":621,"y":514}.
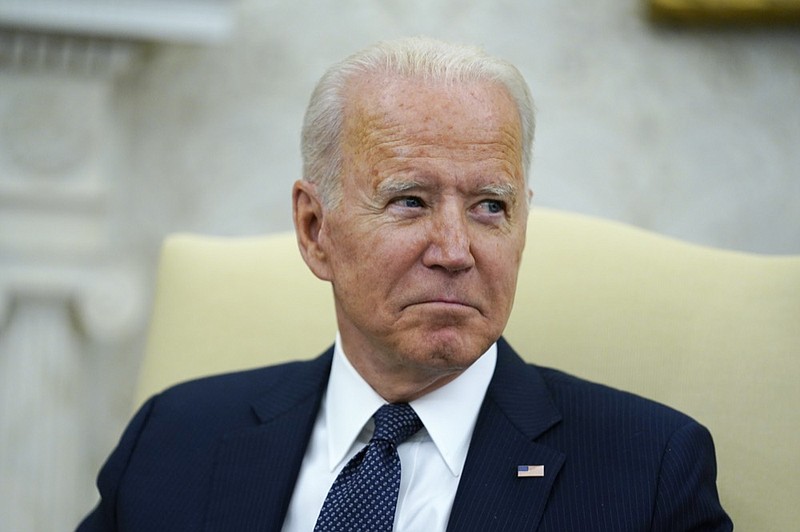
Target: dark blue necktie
{"x":363,"y":497}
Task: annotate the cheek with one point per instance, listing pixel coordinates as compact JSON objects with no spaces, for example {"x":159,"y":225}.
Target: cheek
{"x":364,"y":261}
{"x":500,"y":270}
{"x":503,"y":277}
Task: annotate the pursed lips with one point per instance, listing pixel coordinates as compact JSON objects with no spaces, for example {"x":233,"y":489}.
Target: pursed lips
{"x":444,"y":302}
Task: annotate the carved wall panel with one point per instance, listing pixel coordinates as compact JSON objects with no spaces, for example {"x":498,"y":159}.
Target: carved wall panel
{"x":74,"y":286}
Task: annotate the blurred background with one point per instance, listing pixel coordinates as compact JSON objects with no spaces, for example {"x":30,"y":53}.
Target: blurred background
{"x":124,"y":120}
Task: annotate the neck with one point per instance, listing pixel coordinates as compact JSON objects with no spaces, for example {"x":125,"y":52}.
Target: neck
{"x":395,"y":390}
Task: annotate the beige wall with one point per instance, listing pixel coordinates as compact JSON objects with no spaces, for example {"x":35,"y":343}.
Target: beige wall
{"x":688,"y":132}
{"x":692,"y":133}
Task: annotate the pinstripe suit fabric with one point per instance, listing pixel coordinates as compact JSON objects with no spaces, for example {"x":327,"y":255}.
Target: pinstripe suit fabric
{"x":223,"y":453}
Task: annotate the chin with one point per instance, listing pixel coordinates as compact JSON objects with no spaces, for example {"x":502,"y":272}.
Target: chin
{"x":453,"y":349}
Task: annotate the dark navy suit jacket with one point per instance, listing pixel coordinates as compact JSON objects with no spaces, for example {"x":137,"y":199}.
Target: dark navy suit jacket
{"x":223,"y":453}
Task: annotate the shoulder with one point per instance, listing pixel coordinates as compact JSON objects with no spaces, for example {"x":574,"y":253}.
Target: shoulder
{"x":570,"y":391}
{"x":606,"y":414}
{"x":228,"y":398}
{"x":580,"y":398}
{"x":237,"y":384}
{"x":585,"y":407}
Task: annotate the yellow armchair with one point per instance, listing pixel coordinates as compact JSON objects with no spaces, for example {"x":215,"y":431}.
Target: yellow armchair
{"x":713,"y":333}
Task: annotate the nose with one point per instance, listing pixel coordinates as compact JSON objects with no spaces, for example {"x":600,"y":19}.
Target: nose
{"x":449,"y":242}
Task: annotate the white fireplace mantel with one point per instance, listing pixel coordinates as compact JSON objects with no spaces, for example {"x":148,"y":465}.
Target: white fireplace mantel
{"x":186,"y":21}
{"x":73,"y":284}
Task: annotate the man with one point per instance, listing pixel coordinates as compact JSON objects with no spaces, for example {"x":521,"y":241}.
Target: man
{"x":413,"y":205}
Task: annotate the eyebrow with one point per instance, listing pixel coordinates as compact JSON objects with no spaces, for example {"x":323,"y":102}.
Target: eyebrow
{"x":391,"y":186}
{"x":506,"y":191}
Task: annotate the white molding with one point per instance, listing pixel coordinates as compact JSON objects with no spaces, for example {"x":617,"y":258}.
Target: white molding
{"x":157,"y":20}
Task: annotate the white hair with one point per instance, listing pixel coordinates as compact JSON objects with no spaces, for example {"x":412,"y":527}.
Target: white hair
{"x":415,"y":57}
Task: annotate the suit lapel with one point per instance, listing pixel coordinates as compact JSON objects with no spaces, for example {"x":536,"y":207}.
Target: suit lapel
{"x":256,"y":468}
{"x":517,"y":409}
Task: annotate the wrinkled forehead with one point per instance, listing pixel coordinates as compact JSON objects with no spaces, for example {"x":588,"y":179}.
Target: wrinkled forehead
{"x":385,"y":111}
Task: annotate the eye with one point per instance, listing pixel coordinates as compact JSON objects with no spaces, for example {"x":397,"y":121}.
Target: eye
{"x":409,"y":202}
{"x":493,"y":206}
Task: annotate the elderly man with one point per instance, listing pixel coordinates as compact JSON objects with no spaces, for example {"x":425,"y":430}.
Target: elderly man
{"x":413,"y":206}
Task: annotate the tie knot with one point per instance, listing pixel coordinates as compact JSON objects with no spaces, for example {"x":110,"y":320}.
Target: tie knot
{"x":396,"y":422}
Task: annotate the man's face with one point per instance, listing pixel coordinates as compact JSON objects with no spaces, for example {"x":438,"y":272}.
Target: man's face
{"x":424,"y":248}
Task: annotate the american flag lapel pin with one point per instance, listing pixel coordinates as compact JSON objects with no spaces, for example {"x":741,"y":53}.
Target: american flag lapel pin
{"x":530,"y":471}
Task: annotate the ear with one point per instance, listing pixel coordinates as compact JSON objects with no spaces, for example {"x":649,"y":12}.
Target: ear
{"x":308,"y":213}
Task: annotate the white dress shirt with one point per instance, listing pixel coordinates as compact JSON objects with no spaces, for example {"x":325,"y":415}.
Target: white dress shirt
{"x":432,"y":460}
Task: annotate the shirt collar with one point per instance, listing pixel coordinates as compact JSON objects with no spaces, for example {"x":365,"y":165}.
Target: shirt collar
{"x":449,"y":413}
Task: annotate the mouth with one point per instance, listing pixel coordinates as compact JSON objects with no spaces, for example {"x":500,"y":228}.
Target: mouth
{"x":443,"y":303}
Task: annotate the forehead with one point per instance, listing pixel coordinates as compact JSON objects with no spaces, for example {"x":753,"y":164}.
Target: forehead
{"x":388,"y":118}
